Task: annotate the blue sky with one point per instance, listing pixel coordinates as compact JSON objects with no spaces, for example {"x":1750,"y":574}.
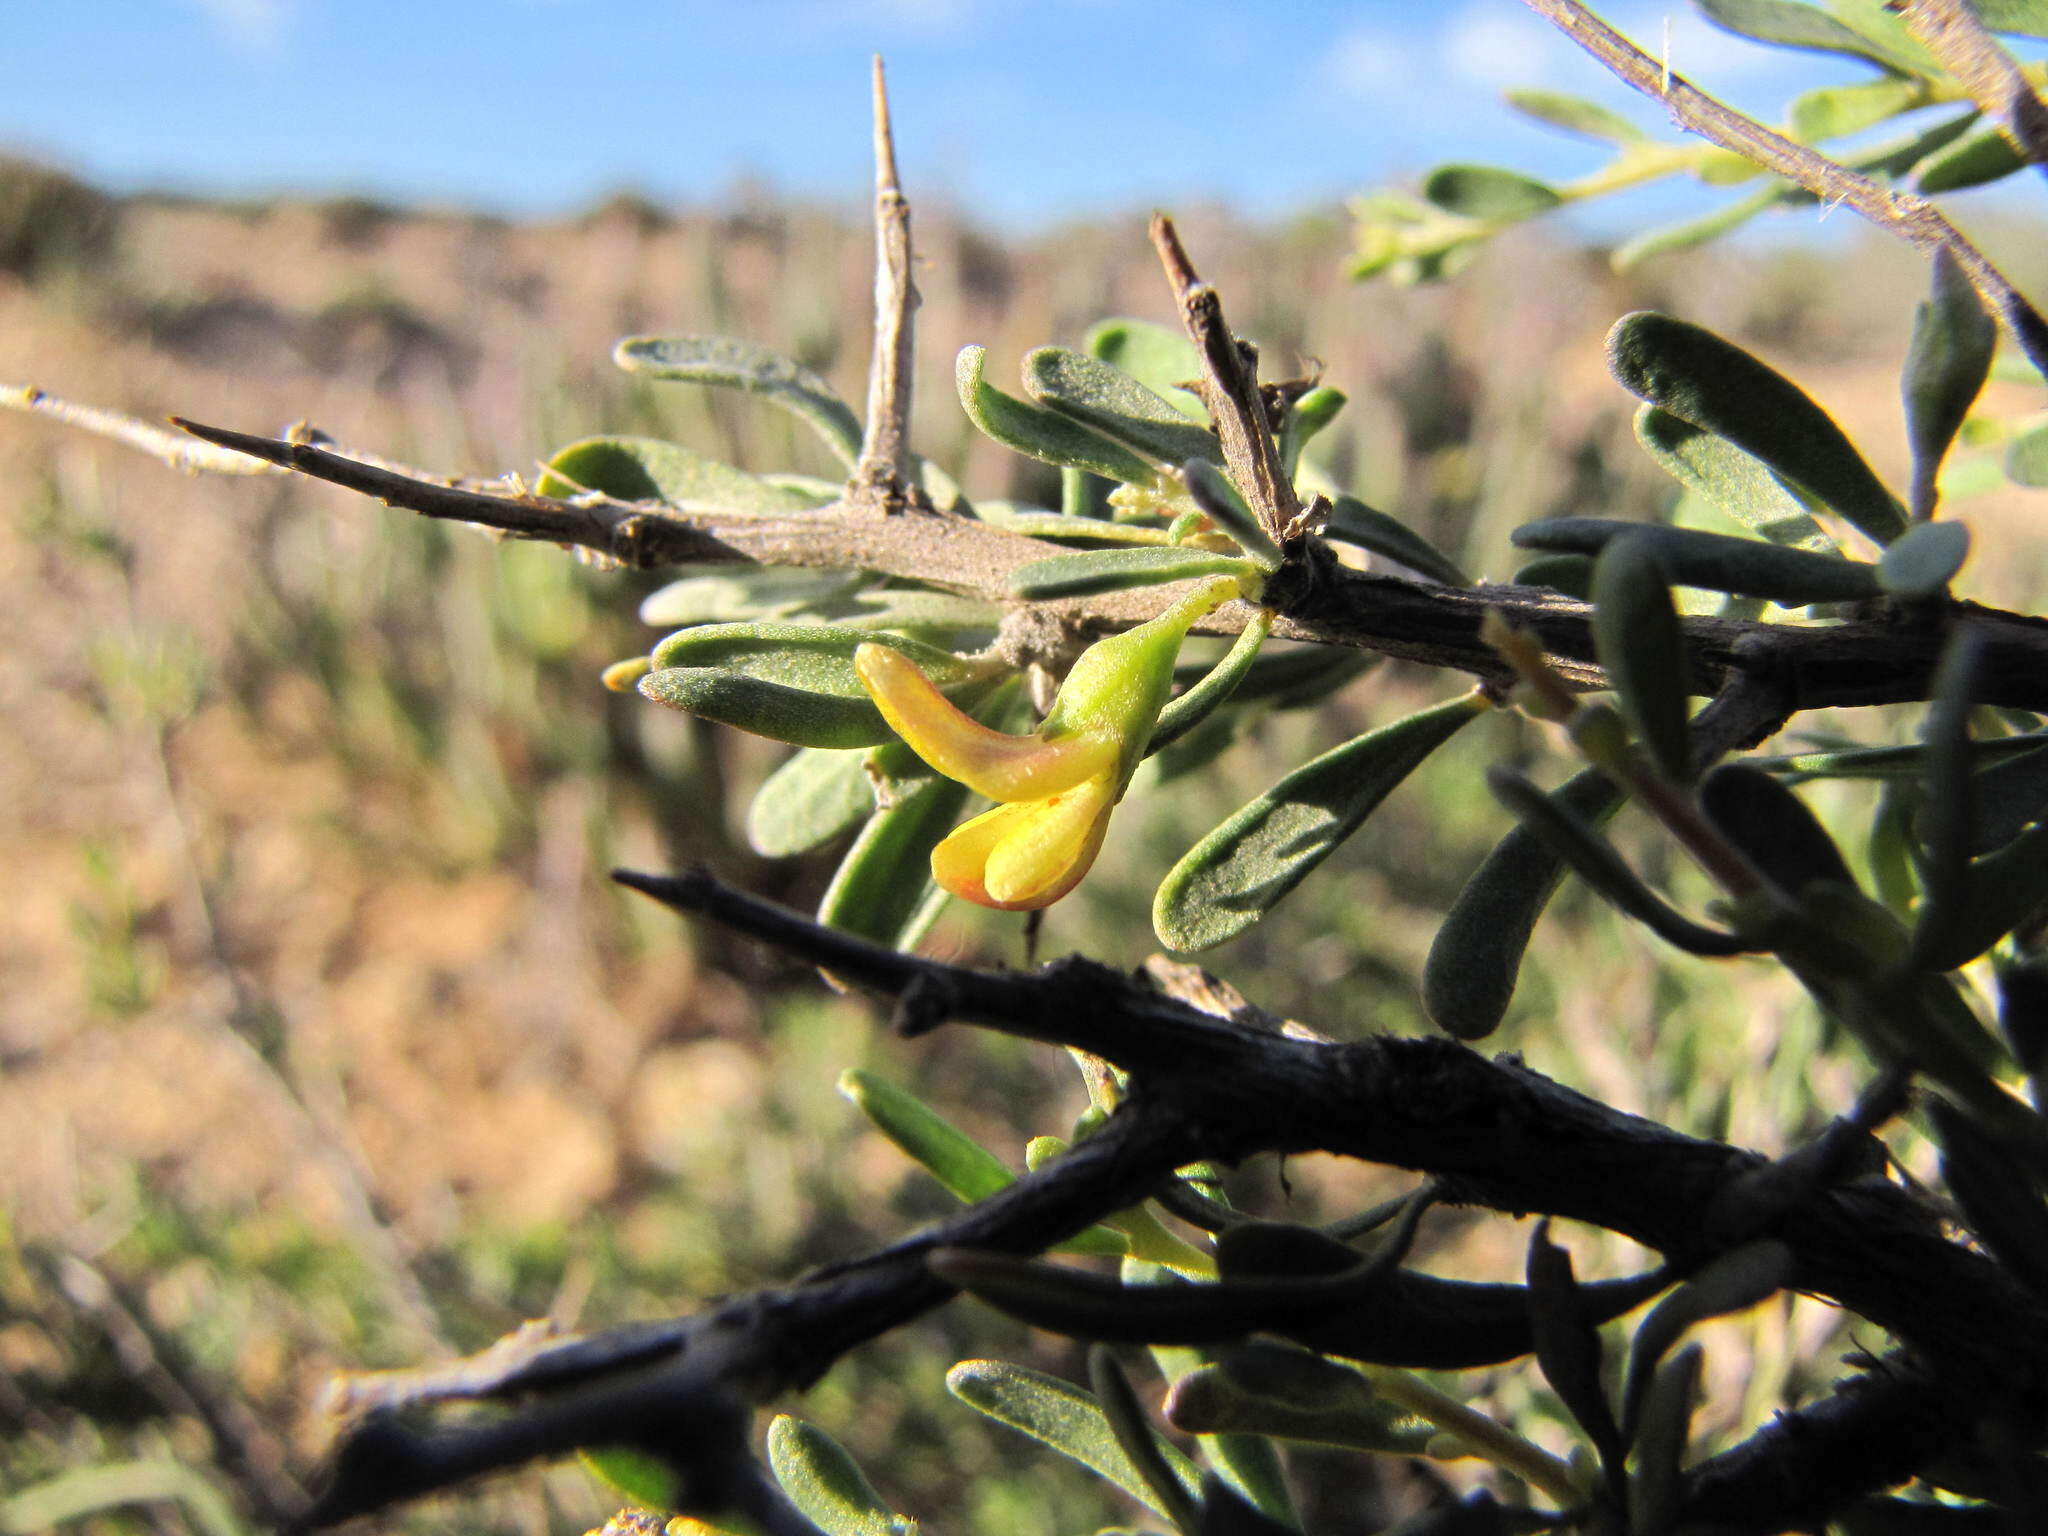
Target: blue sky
{"x":1022,"y":111}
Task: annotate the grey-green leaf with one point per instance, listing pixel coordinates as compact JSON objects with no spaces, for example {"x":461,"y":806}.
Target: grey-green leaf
{"x":724,"y":594}
{"x":1642,"y":650}
{"x":2010,"y":796}
{"x":1352,"y":521}
{"x":818,"y":657}
{"x":1218,"y":498}
{"x":824,"y":1482}
{"x":1714,"y":384}
{"x":1235,"y":875}
{"x":1107,"y":570}
{"x":808,"y":801}
{"x":883,"y":889}
{"x":1488,"y":192}
{"x":1596,"y":861}
{"x":1274,"y":1389}
{"x":1654,"y":1492}
{"x":1954,"y":337}
{"x":1792,"y":24}
{"x":649,"y":469}
{"x":1716,"y":561}
{"x":2028,"y":18}
{"x":1104,"y":397}
{"x":1924,"y":560}
{"x":1214,"y":688}
{"x":1575,"y":114}
{"x":1836,"y":111}
{"x":736,"y":364}
{"x":1060,"y":1415}
{"x":1163,"y":360}
{"x":1469,"y":978}
{"x":1972,"y":160}
{"x":964,"y":1166}
{"x":1736,"y":482}
{"x":1734,"y":1282}
{"x":1684,"y":234}
{"x":799,"y":716}
{"x":1041,"y":433}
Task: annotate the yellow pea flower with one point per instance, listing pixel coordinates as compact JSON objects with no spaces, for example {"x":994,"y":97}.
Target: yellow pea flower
{"x":1057,"y":784}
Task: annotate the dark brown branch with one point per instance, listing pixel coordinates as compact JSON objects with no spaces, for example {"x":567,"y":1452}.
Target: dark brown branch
{"x":1230,"y":389}
{"x":1493,"y":1134}
{"x":1904,"y":214}
{"x":1883,"y":660}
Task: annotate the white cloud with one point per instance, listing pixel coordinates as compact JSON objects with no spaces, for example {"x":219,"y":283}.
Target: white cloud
{"x":1486,"y":47}
{"x":1702,"y":52}
{"x":258,"y":26}
{"x":1370,"y":64}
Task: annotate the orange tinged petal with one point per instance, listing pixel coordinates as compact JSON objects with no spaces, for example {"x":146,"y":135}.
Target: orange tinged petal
{"x":1028,"y":854}
{"x":989,"y":762}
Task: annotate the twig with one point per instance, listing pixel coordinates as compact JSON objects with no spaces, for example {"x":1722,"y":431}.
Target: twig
{"x":1493,"y":1134}
{"x":173,"y":448}
{"x":1861,"y":662}
{"x":1230,"y":390}
{"x":1993,"y":78}
{"x":1910,"y":217}
{"x":882,"y":476}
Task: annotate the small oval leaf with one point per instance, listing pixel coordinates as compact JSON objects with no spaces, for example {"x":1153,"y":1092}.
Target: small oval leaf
{"x":1488,"y":192}
{"x":735,"y":364}
{"x":1642,"y":650}
{"x":1714,"y":384}
{"x":1954,"y":337}
{"x":808,"y":801}
{"x":1469,"y":978}
{"x":1220,"y":502}
{"x":799,"y":716}
{"x":1716,"y":561}
{"x":1235,"y":875}
{"x":1973,"y":160}
{"x":1924,"y":560}
{"x":1575,"y":114}
{"x":648,"y":469}
{"x":1104,"y":397}
{"x":1087,"y":572}
{"x":1043,"y":434}
{"x":824,"y":1482}
{"x":1736,"y":482}
{"x":1353,"y":522}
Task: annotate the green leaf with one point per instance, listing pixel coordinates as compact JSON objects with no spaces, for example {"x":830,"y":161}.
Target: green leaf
{"x":2028,"y":18}
{"x":883,"y":889}
{"x":1272,"y":1389}
{"x":632,"y":1474}
{"x":1972,"y":160}
{"x":1214,"y":688}
{"x":2011,"y":794}
{"x":1488,"y":192}
{"x":965,"y":1167}
{"x":1568,"y":1344}
{"x":1595,"y":861}
{"x":2026,"y":458}
{"x":1469,"y":978}
{"x":1924,"y":560}
{"x":721,"y":594}
{"x":1218,"y":498}
{"x":826,"y":1484}
{"x":817,"y":657}
{"x":1684,"y":234}
{"x":1736,"y":482}
{"x":99,"y":1490}
{"x":1655,"y":1491}
{"x":1736,"y":1281}
{"x":1570,"y":574}
{"x":1836,"y":111}
{"x":1575,"y":114}
{"x":1235,"y":875}
{"x":1353,"y":522}
{"x":1773,"y":826}
{"x":1790,"y":24}
{"x":1163,"y":360}
{"x":648,"y":469}
{"x":1104,"y":397}
{"x":1948,"y":812}
{"x":1642,"y":650}
{"x":1716,"y":561}
{"x":2001,"y":892}
{"x":1060,"y":1415}
{"x":1048,"y":435}
{"x":1141,"y":1444}
{"x":1712,"y":383}
{"x":799,"y":716}
{"x":1107,"y":570}
{"x":735,"y":364}
{"x":808,"y":801}
{"x":1954,"y":337}
{"x":2001,"y":1204}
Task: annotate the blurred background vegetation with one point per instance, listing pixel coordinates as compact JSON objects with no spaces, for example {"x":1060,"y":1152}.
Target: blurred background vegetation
{"x":326,"y":1044}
